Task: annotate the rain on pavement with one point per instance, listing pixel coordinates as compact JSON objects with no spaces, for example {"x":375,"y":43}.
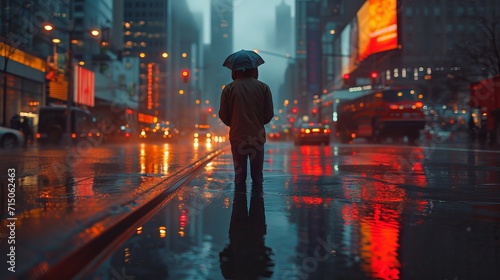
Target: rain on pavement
{"x":63,"y":193}
{"x":331,"y":212}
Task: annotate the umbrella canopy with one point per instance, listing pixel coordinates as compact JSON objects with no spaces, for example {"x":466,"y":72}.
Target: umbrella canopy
{"x":243,"y":60}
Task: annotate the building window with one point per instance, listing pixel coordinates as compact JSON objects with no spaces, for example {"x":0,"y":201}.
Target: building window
{"x":409,"y":12}
{"x":437,"y":11}
{"x":78,"y":21}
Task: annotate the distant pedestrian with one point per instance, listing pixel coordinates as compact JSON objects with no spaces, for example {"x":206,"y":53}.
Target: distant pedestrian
{"x":246,"y":105}
{"x":26,"y":129}
{"x":15,"y":122}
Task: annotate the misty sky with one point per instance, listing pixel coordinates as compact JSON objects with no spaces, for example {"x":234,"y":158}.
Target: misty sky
{"x":254,"y":26}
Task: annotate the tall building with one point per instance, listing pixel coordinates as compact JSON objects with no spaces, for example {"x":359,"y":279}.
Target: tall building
{"x":284,"y":34}
{"x":166,"y":37}
{"x":315,"y":25}
{"x":437,"y":50}
{"x":22,"y":70}
{"x":431,"y":46}
{"x":221,"y":45}
{"x":87,"y":15}
{"x":184,"y":55}
{"x":146,"y":31}
{"x":424,"y":45}
{"x":283,"y":43}
{"x":300,"y":92}
{"x":39,"y":58}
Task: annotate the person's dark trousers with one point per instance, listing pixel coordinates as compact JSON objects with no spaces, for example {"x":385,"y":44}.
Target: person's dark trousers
{"x":242,"y":153}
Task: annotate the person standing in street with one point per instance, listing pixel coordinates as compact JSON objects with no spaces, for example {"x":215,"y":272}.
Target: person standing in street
{"x":15,"y":122}
{"x":26,"y":130}
{"x":246,"y":105}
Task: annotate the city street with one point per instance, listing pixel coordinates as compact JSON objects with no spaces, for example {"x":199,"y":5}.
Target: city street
{"x":382,"y":121}
{"x":344,"y":211}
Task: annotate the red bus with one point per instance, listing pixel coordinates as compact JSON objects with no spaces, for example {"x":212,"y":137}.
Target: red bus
{"x":381,"y":114}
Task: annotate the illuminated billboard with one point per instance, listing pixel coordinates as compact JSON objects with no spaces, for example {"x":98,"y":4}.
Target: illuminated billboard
{"x":378,"y":29}
{"x":84,"y":86}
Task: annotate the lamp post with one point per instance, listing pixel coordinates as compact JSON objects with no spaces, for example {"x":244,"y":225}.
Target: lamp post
{"x":69,"y":75}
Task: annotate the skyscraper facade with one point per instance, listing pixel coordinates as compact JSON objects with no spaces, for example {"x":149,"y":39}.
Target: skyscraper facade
{"x":146,"y":36}
{"x":439,"y":49}
{"x":71,"y":22}
{"x":284,"y":34}
{"x":221,"y":45}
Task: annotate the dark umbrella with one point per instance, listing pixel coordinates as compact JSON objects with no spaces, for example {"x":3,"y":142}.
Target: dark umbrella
{"x":243,"y":60}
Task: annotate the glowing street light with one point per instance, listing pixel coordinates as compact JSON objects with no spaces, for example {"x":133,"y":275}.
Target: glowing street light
{"x":95,"y":32}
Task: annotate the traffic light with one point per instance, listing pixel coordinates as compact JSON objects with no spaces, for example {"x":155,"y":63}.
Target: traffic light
{"x":294,"y":110}
{"x":209,"y":110}
{"x":373,"y":77}
{"x":185,"y":75}
{"x":347,"y":79}
{"x":314,"y":111}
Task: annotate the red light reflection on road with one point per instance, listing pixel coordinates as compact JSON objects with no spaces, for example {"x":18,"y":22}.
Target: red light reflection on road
{"x":312,"y":160}
{"x":305,"y":201}
{"x":380,"y":243}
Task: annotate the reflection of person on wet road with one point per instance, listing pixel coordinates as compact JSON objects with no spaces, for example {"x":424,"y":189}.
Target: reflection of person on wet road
{"x":246,"y":256}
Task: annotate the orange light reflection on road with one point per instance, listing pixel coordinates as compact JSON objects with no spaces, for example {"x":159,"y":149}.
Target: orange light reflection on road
{"x":154,"y":159}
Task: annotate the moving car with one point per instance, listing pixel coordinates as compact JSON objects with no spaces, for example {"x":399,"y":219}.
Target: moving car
{"x":202,"y":134}
{"x":311,"y":133}
{"x":10,"y":138}
{"x":159,"y":132}
{"x":275,"y":135}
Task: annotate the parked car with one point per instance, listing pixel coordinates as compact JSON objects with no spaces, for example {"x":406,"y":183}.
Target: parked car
{"x":122,"y":134}
{"x":53,"y":121}
{"x":311,"y":133}
{"x":10,"y":138}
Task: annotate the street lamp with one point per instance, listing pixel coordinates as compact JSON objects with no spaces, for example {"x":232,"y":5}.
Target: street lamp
{"x":69,"y":71}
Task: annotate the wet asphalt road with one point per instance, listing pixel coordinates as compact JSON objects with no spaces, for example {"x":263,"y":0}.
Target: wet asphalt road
{"x":328,"y":212}
{"x":66,"y":196}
